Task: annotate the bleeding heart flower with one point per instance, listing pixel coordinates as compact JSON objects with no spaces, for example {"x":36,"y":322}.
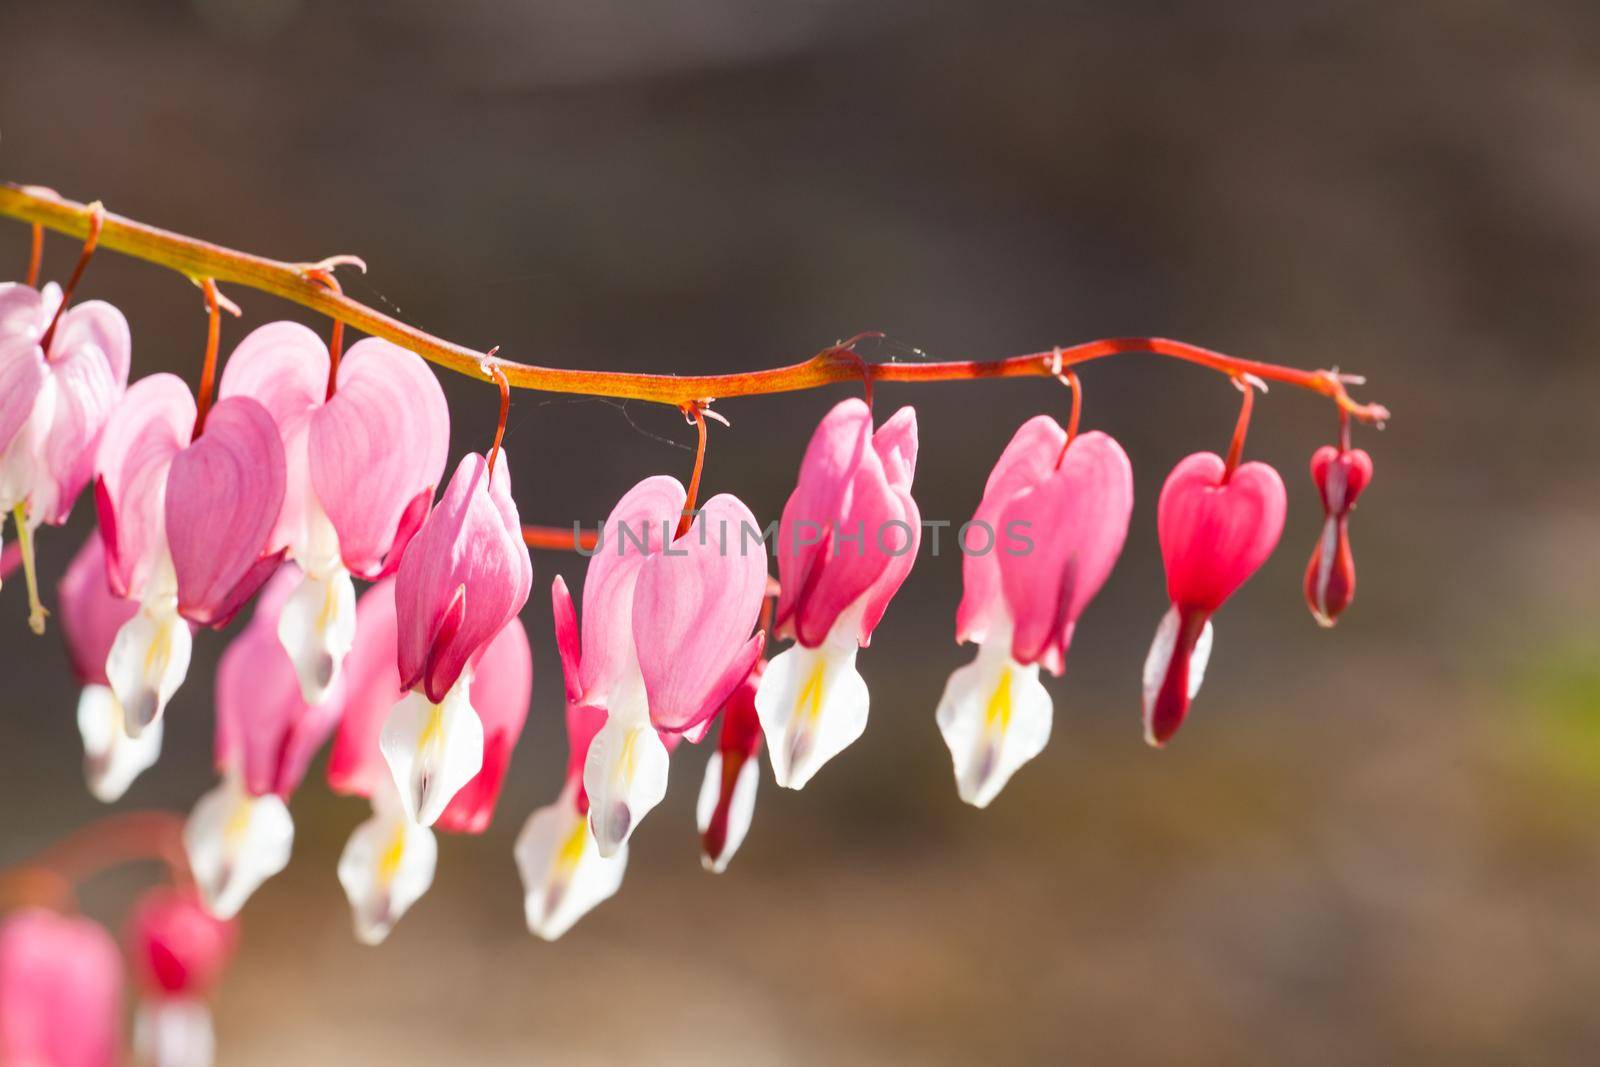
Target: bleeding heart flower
{"x":464,"y":576}
{"x":1340,"y":474}
{"x":362,"y":467}
{"x":177,"y":952}
{"x":564,"y":876}
{"x":849,"y":535}
{"x":91,"y":615}
{"x":54,"y":405}
{"x":236,"y":840}
{"x":666,"y":637}
{"x":186,"y":525}
{"x":1216,"y":530}
{"x":1041,"y":544}
{"x":389,"y":861}
{"x":728,"y":794}
{"x":60,"y":992}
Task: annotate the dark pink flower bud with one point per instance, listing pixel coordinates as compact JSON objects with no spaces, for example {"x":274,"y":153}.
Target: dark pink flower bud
{"x":176,"y":948}
{"x":1340,"y":475}
{"x":1216,"y":531}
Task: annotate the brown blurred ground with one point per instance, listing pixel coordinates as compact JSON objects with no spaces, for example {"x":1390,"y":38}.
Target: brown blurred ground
{"x":1373,"y":845}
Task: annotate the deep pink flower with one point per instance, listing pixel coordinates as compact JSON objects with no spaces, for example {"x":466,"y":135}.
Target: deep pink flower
{"x":728,"y":794}
{"x":54,"y":405}
{"x":266,"y":732}
{"x":464,"y":576}
{"x":60,"y":992}
{"x":1042,"y":542}
{"x":177,"y":951}
{"x":564,"y":876}
{"x":91,"y":615}
{"x":666,"y":637}
{"x":501,"y":689}
{"x":362,"y":467}
{"x":1216,"y":531}
{"x":849,"y":535}
{"x":187,"y":527}
{"x":1341,"y":474}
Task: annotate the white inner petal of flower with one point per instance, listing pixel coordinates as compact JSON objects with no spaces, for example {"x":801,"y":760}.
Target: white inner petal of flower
{"x":387,"y":866}
{"x":995,"y":716}
{"x":741,"y":808}
{"x":812,"y":702}
{"x":1160,"y":657}
{"x":317,"y":628}
{"x":112,"y":759}
{"x":150,"y":656}
{"x":174,"y":1032}
{"x":433,"y":749}
{"x":563,"y":874}
{"x":235,"y":842}
{"x":625,"y":773}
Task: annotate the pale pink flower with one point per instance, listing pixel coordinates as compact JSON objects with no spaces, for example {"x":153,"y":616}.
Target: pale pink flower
{"x":60,"y":992}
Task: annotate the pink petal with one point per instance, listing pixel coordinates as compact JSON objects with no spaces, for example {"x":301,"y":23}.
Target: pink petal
{"x":97,"y":326}
{"x":501,"y":689}
{"x":265,"y":729}
{"x":22,"y":311}
{"x":1028,"y":459}
{"x":464,"y":575}
{"x":91,"y":614}
{"x":60,"y":992}
{"x":148,"y":428}
{"x":1077,"y":519}
{"x":639,"y":519}
{"x":371,"y":688}
{"x":376,"y":447}
{"x":88,"y":386}
{"x":175,"y":946}
{"x":224,"y":494}
{"x":1213,"y":535}
{"x":22,"y":375}
{"x":895,"y":442}
{"x":568,"y":640}
{"x":694,"y":606}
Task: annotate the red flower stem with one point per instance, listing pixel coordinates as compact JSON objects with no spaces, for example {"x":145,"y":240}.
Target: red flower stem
{"x":1344,"y":431}
{"x":128,"y":837}
{"x":505,"y":410}
{"x":324,"y":275}
{"x":208,"y":367}
{"x":36,"y":256}
{"x":692,"y":411}
{"x":559,"y":539}
{"x":196,"y":259}
{"x":1070,"y":379}
{"x":91,"y":239}
{"x":1240,"y":429}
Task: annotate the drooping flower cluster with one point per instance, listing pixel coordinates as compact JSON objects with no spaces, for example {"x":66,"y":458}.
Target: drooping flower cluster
{"x":312,"y":472}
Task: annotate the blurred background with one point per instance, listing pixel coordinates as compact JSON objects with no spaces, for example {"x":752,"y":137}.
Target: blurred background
{"x":1373,"y":844}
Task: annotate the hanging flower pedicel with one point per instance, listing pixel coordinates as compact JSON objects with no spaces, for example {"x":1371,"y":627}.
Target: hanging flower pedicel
{"x":363,"y":462}
{"x":667,"y":623}
{"x":564,"y":876}
{"x":60,"y":992}
{"x":727,"y":800}
{"x":62,"y":371}
{"x":1218,"y":522}
{"x":1049,"y":529}
{"x":177,"y":952}
{"x":849,"y":535}
{"x":240,"y":834}
{"x":389,"y":861}
{"x":1340,"y":474}
{"x":90,"y":618}
{"x":464,"y":576}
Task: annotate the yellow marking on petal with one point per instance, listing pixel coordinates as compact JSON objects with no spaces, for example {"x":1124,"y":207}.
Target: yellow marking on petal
{"x":628,"y":761}
{"x":573,"y":849}
{"x":238,"y":824}
{"x":159,"y":652}
{"x":997,"y":715}
{"x":432,"y":736}
{"x":330,"y":607}
{"x":393,"y":853}
{"x":809,"y":702}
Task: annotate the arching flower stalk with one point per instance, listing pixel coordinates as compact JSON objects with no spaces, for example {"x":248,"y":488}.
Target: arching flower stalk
{"x":666,"y":636}
{"x":564,"y":876}
{"x":849,"y":535}
{"x":1048,"y":531}
{"x":91,"y":615}
{"x":362,"y":464}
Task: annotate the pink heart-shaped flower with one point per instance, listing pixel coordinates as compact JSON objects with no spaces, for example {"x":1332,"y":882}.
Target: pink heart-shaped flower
{"x":1216,"y":534}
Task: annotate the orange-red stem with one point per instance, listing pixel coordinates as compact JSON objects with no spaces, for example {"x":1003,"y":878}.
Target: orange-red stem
{"x":559,"y":539}
{"x":1240,"y":429}
{"x":505,"y":411}
{"x":91,"y":239}
{"x":35,"y":256}
{"x":689,"y":502}
{"x":208,"y":366}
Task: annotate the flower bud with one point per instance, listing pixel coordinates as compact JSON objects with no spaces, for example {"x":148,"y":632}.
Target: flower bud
{"x":1340,"y":475}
